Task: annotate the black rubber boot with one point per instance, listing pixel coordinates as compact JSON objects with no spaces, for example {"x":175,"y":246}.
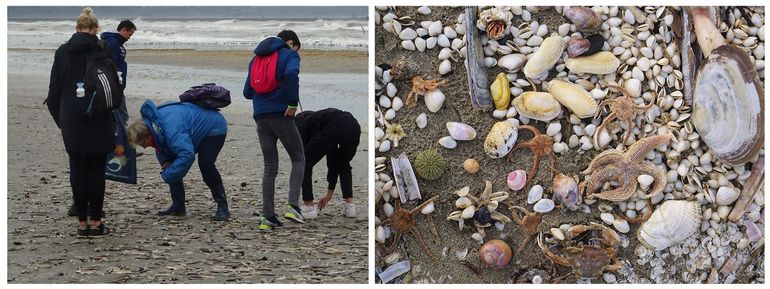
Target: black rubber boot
{"x":223,"y":212}
{"x":177,"y":207}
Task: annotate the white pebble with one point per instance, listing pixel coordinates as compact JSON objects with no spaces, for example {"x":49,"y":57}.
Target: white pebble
{"x":443,"y":41}
{"x":420,"y":44}
{"x":397,"y":103}
{"x":645,"y":180}
{"x":408,"y":45}
{"x":450,"y":33}
{"x":384,"y":146}
{"x":407,"y":34}
{"x":445,"y":67}
{"x":385,"y":101}
{"x":390,"y":114}
{"x":431,"y":42}
{"x":435,"y":28}
{"x":392,"y":90}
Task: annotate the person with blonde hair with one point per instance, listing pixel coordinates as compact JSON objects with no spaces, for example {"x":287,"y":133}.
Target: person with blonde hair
{"x":178,"y":131}
{"x":88,"y":139}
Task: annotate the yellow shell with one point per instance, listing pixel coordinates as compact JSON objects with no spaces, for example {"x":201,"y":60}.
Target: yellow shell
{"x":501,"y":138}
{"x":537,"y":105}
{"x":573,"y":96}
{"x":603,"y":62}
{"x":540,"y":62}
{"x":501,"y":91}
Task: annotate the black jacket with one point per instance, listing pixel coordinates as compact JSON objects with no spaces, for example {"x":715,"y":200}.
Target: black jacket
{"x":330,"y":121}
{"x":84,"y":135}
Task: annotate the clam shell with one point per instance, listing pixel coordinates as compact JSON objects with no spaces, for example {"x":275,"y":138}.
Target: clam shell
{"x":447,"y":142}
{"x":728,"y":105}
{"x":460,"y":131}
{"x":574,"y":97}
{"x":512,"y":62}
{"x":585,"y":46}
{"x":540,"y":62}
{"x":537,"y":105}
{"x":421,"y":120}
{"x":501,"y":91}
{"x":434,"y":99}
{"x":727,"y":195}
{"x":517,"y":179}
{"x":544,"y":206}
{"x":501,"y":138}
{"x":600,"y":63}
{"x":585,"y":19}
{"x":671,"y":223}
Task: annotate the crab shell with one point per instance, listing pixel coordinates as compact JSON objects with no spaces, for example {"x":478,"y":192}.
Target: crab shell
{"x":495,"y":22}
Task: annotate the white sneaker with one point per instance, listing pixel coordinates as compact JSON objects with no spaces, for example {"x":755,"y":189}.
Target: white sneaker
{"x":309,"y":212}
{"x":348,"y":210}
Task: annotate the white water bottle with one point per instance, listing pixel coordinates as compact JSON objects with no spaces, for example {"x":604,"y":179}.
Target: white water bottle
{"x":80,"y":91}
{"x":120,"y":79}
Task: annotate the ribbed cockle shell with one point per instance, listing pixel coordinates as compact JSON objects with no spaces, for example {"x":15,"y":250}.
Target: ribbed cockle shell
{"x":540,"y":62}
{"x":672,"y":222}
{"x":600,"y":63}
{"x":573,"y":96}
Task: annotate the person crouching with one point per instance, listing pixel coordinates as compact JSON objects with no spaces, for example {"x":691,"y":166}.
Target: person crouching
{"x":177,"y":131}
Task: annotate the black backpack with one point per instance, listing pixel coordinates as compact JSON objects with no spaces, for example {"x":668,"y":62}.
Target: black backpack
{"x":103,"y":89}
{"x":207,"y":95}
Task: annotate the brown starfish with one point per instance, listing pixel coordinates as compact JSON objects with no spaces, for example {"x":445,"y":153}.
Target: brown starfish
{"x":421,"y":86}
{"x":403,"y":221}
{"x":623,"y":108}
{"x":624,"y":168}
{"x":541,"y":145}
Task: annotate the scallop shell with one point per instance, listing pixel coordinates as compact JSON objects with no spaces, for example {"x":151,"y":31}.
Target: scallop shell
{"x":537,"y":105}
{"x":517,"y":179}
{"x":585,"y":19}
{"x":728,"y":105}
{"x":460,"y":131}
{"x":501,"y":138}
{"x":600,"y":63}
{"x":671,"y":223}
{"x":512,"y":62}
{"x":574,"y":97}
{"x":501,"y":91}
{"x":540,"y":62}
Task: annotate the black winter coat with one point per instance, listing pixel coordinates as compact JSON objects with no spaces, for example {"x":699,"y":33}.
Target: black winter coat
{"x":81,"y":134}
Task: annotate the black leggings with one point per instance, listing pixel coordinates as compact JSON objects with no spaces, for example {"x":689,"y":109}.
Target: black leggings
{"x":338,"y":143}
{"x":87,"y":181}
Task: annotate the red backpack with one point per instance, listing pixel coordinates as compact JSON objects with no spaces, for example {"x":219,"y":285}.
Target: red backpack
{"x":262,"y":73}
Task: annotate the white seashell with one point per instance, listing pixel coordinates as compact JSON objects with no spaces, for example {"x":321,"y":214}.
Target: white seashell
{"x":385,"y":101}
{"x":534,"y":41}
{"x":397,"y":103}
{"x":384,"y":146}
{"x":645,"y":180}
{"x":501,"y":138}
{"x":463,"y":202}
{"x":380,"y":235}
{"x":535,"y":194}
{"x":435,"y":28}
{"x":429,"y":208}
{"x":512,"y":62}
{"x":420,"y":44}
{"x":447,"y":142}
{"x":516,"y":180}
{"x":460,"y":131}
{"x":608,"y":218}
{"x":445,"y":67}
{"x":564,"y":29}
{"x":634,"y":87}
{"x":407,"y":34}
{"x":553,"y":128}
{"x":490,"y":61}
{"x":499,"y":113}
{"x":558,"y":234}
{"x":450,"y":33}
{"x":408,"y":45}
{"x":421,"y":120}
{"x":424,"y":10}
{"x":434,"y":99}
{"x":574,"y":97}
{"x":671,"y":223}
{"x":457,"y":43}
{"x":392,"y":90}
{"x":621,"y":225}
{"x":604,"y":138}
{"x":469,"y":212}
{"x":462,"y":192}
{"x":545,"y":57}
{"x":378,"y":133}
{"x":386,"y":77}
{"x":544,"y":206}
{"x":390,"y":114}
{"x":727,"y":195}
{"x":388,"y":208}
{"x":445,"y":53}
{"x":431,"y":42}
{"x":443,"y":41}
{"x":477,"y":236}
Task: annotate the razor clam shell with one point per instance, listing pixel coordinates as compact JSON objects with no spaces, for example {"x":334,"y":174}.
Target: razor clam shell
{"x":501,"y":138}
{"x":728,"y":105}
{"x":540,"y":62}
{"x":573,"y":96}
{"x":600,"y":63}
{"x":537,"y":105}
{"x":478,"y":84}
{"x":753,"y":183}
{"x":672,"y":222}
{"x":406,"y":181}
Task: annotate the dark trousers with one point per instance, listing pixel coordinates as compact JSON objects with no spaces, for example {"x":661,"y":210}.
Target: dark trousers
{"x":87,"y":181}
{"x":207,"y":150}
{"x":338,"y":142}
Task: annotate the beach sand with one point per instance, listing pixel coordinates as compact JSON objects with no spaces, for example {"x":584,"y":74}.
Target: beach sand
{"x":145,"y":248}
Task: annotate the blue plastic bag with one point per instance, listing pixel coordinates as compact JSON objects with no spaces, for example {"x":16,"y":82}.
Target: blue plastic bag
{"x":121,"y":164}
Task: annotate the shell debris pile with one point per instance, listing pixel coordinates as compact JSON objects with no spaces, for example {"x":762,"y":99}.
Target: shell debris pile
{"x":610,"y":90}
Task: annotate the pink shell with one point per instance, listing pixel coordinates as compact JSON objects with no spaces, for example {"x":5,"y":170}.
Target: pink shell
{"x":517,"y":179}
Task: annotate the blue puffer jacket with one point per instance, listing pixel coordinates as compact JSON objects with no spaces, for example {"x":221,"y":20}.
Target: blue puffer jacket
{"x":287,"y":73}
{"x":177,"y":129}
{"x":117,"y":52}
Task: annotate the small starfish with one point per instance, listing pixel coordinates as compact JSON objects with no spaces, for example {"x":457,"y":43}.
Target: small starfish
{"x":623,"y":108}
{"x":394,"y":132}
{"x":541,"y":145}
{"x":624,"y":168}
{"x":421,"y":86}
{"x":403,"y":222}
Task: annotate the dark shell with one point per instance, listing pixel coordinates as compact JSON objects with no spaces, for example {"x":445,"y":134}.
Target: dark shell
{"x":483,"y":216}
{"x":585,"y":19}
{"x":585,"y":46}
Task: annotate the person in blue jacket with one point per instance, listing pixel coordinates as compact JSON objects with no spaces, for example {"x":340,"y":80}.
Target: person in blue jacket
{"x":178,"y":131}
{"x":274,"y":115}
{"x":115,"y":41}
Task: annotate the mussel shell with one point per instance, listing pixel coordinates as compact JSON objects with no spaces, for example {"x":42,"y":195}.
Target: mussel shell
{"x":585,"y":46}
{"x":728,"y":105}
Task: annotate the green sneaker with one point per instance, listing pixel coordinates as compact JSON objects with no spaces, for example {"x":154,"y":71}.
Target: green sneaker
{"x":294,"y":213}
{"x":267,"y":224}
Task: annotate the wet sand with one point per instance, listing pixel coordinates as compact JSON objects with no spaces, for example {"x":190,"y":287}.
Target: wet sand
{"x":145,"y":248}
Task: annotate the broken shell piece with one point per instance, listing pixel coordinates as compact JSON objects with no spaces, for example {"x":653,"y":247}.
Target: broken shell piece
{"x":501,"y":138}
{"x":460,"y":131}
{"x":585,"y":46}
{"x":671,"y":223}
{"x":600,"y":63}
{"x":429,"y":208}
